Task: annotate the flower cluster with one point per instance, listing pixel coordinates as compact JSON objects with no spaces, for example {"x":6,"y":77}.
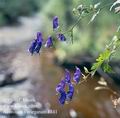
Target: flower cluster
{"x":67,"y":81}
{"x":36,"y":46}
{"x":38,"y":41}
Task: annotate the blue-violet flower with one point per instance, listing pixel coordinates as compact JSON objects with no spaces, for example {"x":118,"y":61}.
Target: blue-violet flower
{"x":39,"y":36}
{"x":60,"y":87}
{"x":39,"y":42}
{"x":77,"y":75}
{"x":62,"y":98}
{"x":70,"y":92}
{"x":67,"y":76}
{"x":32,"y":46}
{"x":55,"y":22}
{"x":49,"y":42}
{"x":61,"y":37}
{"x":36,"y":44}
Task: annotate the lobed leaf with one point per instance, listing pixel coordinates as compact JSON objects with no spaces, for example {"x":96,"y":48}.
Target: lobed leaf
{"x":101,"y":58}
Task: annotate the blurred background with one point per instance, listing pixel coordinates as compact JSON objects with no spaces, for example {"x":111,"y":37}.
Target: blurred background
{"x":27,"y":83}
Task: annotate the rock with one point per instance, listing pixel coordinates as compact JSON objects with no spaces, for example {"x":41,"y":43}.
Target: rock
{"x":2,"y":78}
{"x":8,"y":80}
{"x":16,"y":66}
{"x":16,"y":101}
{"x":15,"y":33}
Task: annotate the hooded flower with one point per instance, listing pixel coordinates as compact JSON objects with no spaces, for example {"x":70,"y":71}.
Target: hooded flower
{"x":38,"y":47}
{"x":67,"y":95}
{"x":67,"y":76}
{"x":77,"y":75}
{"x":61,"y":37}
{"x":36,"y":44}
{"x":32,"y":46}
{"x":70,"y":92}
{"x":62,"y":98}
{"x":39,"y":42}
{"x":60,"y":87}
{"x":39,"y":36}
{"x":55,"y":22}
{"x":49,"y":42}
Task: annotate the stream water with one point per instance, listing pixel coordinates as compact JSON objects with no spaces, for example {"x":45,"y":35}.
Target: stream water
{"x":86,"y":102}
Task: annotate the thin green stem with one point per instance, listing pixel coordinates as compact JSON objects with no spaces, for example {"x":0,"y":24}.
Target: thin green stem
{"x":81,"y":17}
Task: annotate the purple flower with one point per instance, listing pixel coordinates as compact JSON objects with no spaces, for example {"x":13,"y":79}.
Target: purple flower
{"x":61,"y":37}
{"x":77,"y":75}
{"x":67,"y":76}
{"x":49,"y":42}
{"x":32,"y":46}
{"x":39,"y":42}
{"x":62,"y":98}
{"x":60,"y":87}
{"x":70,"y":92}
{"x":39,"y":37}
{"x":38,"y":47}
{"x":55,"y":22}
{"x":71,"y":87}
{"x":36,"y":44}
{"x":69,"y":95}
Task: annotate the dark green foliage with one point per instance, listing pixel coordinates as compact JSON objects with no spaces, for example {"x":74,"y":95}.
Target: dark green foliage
{"x":107,"y":68}
{"x":101,"y":59}
{"x":10,"y":10}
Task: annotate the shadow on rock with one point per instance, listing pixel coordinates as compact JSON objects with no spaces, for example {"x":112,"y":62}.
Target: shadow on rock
{"x":8,"y":80}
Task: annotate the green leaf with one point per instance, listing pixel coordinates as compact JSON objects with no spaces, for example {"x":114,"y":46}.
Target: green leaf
{"x":96,"y":65}
{"x":107,"y":68}
{"x":101,"y":58}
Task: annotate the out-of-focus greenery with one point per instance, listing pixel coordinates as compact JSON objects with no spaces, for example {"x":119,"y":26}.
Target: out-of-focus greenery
{"x":90,"y":38}
{"x":10,"y":10}
{"x":61,"y":8}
